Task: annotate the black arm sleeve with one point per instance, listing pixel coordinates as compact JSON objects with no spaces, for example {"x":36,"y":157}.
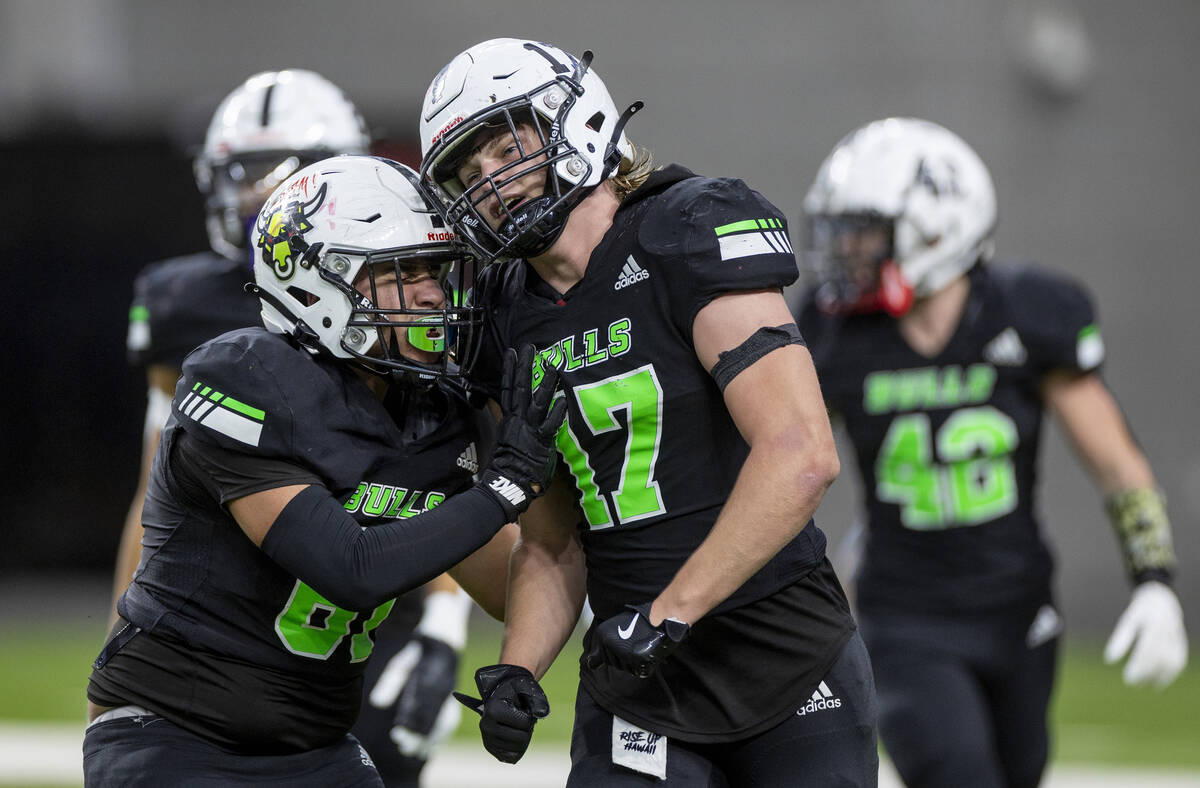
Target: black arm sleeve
{"x":359,"y":568}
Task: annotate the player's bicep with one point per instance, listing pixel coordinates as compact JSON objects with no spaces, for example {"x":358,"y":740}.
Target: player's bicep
{"x":549,"y":524}
{"x":257,"y":512}
{"x":729,"y":320}
{"x":1095,"y":426}
{"x":776,"y":395}
{"x":254,"y":489}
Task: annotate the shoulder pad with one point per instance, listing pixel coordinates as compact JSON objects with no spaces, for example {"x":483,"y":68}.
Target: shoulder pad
{"x":1071,"y":340}
{"x":243,"y":390}
{"x":718,"y":217}
{"x":181,"y":302}
{"x":716,"y":235}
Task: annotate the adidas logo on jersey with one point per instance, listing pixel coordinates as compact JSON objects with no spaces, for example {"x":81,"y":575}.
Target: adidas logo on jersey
{"x":631,"y":274}
{"x":1006,"y":349}
{"x":821,"y":700}
{"x":469,"y":459}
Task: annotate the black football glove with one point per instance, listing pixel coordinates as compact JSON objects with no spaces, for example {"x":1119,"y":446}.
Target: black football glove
{"x":628,"y":641}
{"x":417,"y":683}
{"x":512,"y":701}
{"x":523,"y":462}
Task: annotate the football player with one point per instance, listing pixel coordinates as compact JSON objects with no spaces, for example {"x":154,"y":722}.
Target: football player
{"x":941,"y":364}
{"x":263,"y":131}
{"x":723,"y":650}
{"x":308,"y":474}
{"x":267,"y":128}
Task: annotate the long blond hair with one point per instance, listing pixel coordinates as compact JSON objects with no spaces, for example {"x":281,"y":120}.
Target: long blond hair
{"x":632,"y":173}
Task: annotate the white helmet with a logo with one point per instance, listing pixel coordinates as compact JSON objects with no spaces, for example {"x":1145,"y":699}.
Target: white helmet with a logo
{"x":504,"y":83}
{"x":270,"y":126}
{"x":925,"y":186}
{"x":349,"y":220}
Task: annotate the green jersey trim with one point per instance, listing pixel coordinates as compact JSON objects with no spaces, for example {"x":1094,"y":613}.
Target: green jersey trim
{"x":750,"y":237}
{"x":226,"y":415}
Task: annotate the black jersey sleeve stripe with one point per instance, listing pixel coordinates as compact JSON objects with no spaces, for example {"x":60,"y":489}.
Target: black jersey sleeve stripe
{"x":358,"y":568}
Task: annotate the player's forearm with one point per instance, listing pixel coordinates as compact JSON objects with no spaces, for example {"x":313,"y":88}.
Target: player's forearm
{"x":484,"y":573}
{"x":129,"y":551}
{"x":358,"y":568}
{"x":775,"y":496}
{"x":545,"y":595}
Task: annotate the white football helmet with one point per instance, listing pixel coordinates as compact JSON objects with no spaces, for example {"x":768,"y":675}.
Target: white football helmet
{"x":920,"y":184}
{"x":501,"y":84}
{"x":351,"y":220}
{"x":270,"y":126}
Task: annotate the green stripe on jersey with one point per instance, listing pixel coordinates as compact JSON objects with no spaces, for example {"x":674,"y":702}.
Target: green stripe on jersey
{"x":223,"y":414}
{"x":1089,"y":347}
{"x":737,"y":227}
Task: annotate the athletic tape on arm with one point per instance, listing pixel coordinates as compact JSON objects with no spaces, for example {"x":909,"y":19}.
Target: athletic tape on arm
{"x":1139,"y":518}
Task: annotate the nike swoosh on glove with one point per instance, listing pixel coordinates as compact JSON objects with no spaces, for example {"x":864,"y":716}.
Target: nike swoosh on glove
{"x":1152,"y":625}
{"x":629,"y":642}
{"x":511,"y":701}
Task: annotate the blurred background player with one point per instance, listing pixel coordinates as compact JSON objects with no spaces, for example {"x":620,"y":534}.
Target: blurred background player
{"x":723,"y":649}
{"x":941,"y":365}
{"x":309,"y":473}
{"x":266,"y":129}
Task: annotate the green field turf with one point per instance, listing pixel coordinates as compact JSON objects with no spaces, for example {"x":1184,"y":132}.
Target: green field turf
{"x":1097,"y":719}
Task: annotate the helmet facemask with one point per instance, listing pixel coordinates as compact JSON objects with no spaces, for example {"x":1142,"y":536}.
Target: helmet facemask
{"x":529,"y":228}
{"x":931,"y":192}
{"x":352,"y":263}
{"x":235,"y":190}
{"x":854,"y":260}
{"x":536,"y":121}
{"x":417,"y":341}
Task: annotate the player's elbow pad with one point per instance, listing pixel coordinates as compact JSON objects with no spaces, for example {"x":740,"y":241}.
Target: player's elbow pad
{"x":359,"y":568}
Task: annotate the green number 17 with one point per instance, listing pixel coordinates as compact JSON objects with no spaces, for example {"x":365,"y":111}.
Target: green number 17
{"x":639,"y":396}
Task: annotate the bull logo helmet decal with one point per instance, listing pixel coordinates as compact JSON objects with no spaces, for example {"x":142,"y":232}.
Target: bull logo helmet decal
{"x":281,"y":231}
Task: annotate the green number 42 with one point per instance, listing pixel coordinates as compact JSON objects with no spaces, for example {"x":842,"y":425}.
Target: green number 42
{"x":970,"y":481}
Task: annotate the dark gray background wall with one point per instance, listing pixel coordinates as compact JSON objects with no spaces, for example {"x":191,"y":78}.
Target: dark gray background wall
{"x":1097,"y":177}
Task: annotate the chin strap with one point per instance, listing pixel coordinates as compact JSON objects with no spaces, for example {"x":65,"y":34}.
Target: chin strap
{"x":612,"y":153}
{"x":299,"y":330}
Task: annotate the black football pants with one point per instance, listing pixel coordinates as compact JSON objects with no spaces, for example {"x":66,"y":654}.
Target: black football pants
{"x":962,"y":699}
{"x":829,"y":741}
{"x":149,"y":752}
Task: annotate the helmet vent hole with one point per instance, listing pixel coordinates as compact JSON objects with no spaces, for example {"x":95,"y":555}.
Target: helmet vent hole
{"x":303,"y":296}
{"x":595,"y":121}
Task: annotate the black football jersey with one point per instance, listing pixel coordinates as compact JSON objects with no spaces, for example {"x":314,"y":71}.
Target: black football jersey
{"x":947,"y":446}
{"x":202,"y":583}
{"x":648,"y":440}
{"x":180,"y":303}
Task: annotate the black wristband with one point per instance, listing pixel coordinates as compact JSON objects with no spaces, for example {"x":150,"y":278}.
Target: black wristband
{"x":510,"y":496}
